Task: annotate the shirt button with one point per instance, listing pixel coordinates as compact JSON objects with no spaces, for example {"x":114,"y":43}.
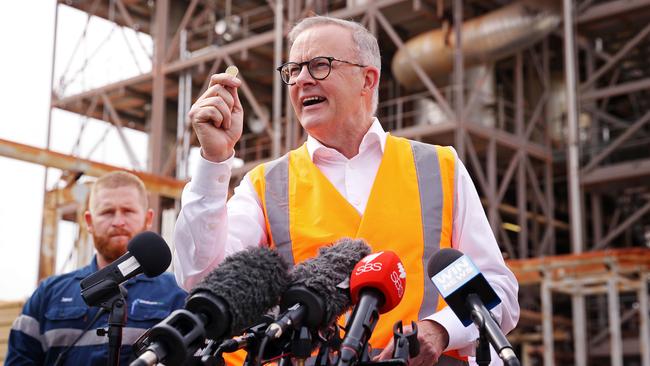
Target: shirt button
{"x":221,"y":179}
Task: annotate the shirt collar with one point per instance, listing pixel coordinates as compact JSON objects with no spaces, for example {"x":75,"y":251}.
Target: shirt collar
{"x":87,"y":270}
{"x":375,"y":135}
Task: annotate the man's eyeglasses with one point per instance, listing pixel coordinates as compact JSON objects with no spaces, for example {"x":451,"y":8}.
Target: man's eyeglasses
{"x":319,"y":68}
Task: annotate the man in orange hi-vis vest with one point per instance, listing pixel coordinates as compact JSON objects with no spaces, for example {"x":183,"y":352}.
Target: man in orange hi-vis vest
{"x":349,"y":179}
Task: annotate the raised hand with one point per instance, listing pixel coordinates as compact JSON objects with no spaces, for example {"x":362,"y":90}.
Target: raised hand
{"x":217,"y":117}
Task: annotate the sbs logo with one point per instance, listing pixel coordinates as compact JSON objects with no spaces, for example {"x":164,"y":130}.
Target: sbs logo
{"x":369,"y":267}
{"x":397,"y":281}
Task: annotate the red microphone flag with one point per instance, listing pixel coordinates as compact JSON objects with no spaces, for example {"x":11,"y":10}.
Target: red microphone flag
{"x":383,"y":271}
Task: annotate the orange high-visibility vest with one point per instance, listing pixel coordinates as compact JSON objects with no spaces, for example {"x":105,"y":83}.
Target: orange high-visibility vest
{"x":409,"y":211}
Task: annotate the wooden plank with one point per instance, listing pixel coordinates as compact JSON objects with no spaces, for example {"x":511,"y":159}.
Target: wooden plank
{"x":530,"y":271}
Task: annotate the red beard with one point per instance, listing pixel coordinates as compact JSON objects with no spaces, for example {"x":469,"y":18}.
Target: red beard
{"x":114,"y":244}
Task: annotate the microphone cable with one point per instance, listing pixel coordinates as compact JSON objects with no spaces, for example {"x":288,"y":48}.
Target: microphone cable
{"x":61,"y":357}
{"x":260,"y":352}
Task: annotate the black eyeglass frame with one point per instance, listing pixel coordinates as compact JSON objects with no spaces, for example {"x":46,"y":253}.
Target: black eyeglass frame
{"x":308,"y":62}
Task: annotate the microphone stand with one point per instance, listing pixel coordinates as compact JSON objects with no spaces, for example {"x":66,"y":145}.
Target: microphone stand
{"x":483,"y":357}
{"x":489,"y":331}
{"x":330,"y":342}
{"x":116,"y":307}
{"x":301,"y":345}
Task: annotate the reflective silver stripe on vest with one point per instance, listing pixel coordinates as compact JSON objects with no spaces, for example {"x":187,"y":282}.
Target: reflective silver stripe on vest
{"x":276,"y":196}
{"x":29,"y":326}
{"x":64,"y":337}
{"x":431,"y":199}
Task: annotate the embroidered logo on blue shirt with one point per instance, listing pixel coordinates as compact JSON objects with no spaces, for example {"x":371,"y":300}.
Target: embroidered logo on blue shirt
{"x":145,"y":302}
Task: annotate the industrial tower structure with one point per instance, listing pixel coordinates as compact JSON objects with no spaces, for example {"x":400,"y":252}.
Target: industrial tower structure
{"x":546,"y":102}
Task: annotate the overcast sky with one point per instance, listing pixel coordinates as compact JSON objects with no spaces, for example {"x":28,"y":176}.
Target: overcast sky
{"x":26,"y":31}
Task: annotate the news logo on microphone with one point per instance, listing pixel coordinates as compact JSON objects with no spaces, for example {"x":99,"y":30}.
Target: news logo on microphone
{"x":470,"y":296}
{"x":367,"y":264}
{"x":377,"y":286}
{"x":383,"y":271}
{"x":455,"y":275}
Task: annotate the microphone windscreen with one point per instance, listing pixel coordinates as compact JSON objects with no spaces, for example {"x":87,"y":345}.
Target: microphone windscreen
{"x":151,"y":251}
{"x":323,"y":273}
{"x":442,"y":259}
{"x":384,"y":272}
{"x":250,"y":281}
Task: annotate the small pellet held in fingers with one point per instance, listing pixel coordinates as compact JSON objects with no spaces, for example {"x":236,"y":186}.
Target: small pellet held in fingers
{"x":232,"y":70}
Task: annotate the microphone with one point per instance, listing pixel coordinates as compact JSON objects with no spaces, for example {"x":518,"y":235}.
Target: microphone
{"x":147,"y":253}
{"x":377,"y":286}
{"x":470,"y":296}
{"x":315,"y":297}
{"x":230,"y":299}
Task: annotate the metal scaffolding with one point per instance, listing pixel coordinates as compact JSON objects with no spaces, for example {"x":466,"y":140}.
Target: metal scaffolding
{"x":552,"y":124}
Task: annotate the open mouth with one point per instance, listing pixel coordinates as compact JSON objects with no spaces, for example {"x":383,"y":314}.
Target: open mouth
{"x":312,"y":101}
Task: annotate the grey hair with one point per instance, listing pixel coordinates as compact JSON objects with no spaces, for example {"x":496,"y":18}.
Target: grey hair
{"x":366,"y":42}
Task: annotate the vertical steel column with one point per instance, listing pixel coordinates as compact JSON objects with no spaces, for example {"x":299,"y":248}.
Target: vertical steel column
{"x":550,"y":202}
{"x":548,"y":164}
{"x":276,"y":143}
{"x":184,"y":103}
{"x":49,"y":232}
{"x":594,"y":127}
{"x":597,"y":217}
{"x":534,"y":230}
{"x":47,"y":251}
{"x":291,"y":128}
{"x":493,"y":205}
{"x":521,"y":165}
{"x":616,"y":352}
{"x":84,"y":246}
{"x":157,"y":123}
{"x":573,"y":169}
{"x":459,"y":99}
{"x":526,"y":360}
{"x":577,"y":300}
{"x":579,"y":328}
{"x":644,"y":324}
{"x":547,"y":321}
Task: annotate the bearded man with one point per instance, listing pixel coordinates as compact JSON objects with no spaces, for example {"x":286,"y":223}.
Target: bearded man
{"x":56,"y":326}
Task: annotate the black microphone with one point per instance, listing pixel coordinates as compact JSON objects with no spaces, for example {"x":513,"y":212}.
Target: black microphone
{"x":316,"y":297}
{"x":470,"y":296}
{"x":230,"y":299}
{"x":147,"y":253}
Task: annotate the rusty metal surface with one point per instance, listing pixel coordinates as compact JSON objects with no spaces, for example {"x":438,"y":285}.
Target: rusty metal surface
{"x":584,"y":265}
{"x":164,"y":186}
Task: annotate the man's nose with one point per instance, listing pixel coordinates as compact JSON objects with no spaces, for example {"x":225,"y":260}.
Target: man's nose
{"x":304,"y":76}
{"x":119,"y":219}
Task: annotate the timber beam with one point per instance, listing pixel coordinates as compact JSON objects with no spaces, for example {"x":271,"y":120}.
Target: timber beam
{"x":163,"y":186}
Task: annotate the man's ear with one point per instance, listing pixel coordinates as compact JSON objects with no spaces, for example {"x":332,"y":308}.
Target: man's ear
{"x":89,"y":221}
{"x":148,"y":220}
{"x":370,"y":80}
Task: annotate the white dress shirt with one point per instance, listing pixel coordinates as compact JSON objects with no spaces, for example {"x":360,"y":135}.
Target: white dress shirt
{"x":209,"y":228}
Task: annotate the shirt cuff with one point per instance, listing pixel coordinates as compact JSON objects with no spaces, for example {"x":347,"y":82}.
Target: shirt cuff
{"x":211,"y":178}
{"x":460,"y":337}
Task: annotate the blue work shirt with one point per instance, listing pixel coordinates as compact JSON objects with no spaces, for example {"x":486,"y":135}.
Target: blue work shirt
{"x":55,"y":315}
